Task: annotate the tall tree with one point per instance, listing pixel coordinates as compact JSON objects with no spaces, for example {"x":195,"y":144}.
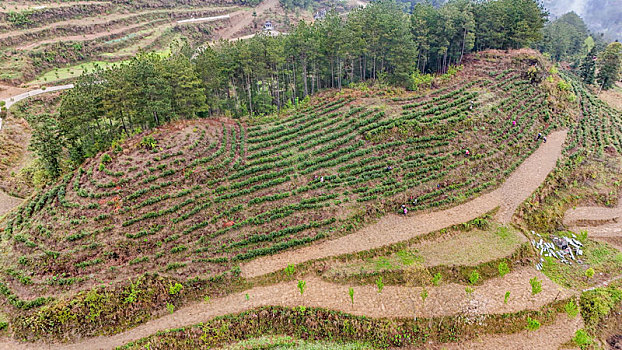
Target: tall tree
{"x":588,"y":67}
{"x":609,"y":66}
{"x":47,"y":143}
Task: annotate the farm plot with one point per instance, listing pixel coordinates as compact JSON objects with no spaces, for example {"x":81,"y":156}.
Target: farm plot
{"x":195,"y":199}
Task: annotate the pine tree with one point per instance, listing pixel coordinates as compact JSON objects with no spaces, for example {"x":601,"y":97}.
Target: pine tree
{"x":588,"y":67}
{"x":609,"y":66}
{"x":46,"y":143}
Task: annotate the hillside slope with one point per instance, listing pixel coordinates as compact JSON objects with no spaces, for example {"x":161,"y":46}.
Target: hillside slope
{"x":197,"y":198}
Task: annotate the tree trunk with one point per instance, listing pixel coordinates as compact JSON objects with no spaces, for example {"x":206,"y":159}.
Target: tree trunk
{"x":304,"y":77}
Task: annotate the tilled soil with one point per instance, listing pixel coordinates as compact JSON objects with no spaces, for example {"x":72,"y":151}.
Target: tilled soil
{"x":393,"y":228}
{"x":394,"y":301}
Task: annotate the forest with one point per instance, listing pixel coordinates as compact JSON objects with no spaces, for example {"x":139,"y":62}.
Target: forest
{"x":265,"y":74}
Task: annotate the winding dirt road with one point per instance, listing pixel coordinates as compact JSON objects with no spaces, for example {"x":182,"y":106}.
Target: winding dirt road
{"x":449,"y":299}
{"x":393,"y":229}
{"x":394,"y":301}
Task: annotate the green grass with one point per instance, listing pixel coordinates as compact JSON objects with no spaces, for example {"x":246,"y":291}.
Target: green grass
{"x":462,"y":248}
{"x":599,"y":256}
{"x":287,"y":342}
{"x":134,"y":48}
{"x":12,"y":67}
{"x":70,"y":72}
{"x":471,"y":248}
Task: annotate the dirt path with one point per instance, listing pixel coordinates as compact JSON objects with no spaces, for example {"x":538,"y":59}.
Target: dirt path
{"x":9,"y":101}
{"x":602,"y":224}
{"x":549,"y":337}
{"x":243,"y":19}
{"x":106,"y":19}
{"x":393,"y":229}
{"x":7,"y":203}
{"x":394,"y":301}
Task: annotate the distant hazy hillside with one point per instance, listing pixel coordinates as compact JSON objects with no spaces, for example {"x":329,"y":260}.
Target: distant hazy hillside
{"x":601,"y":15}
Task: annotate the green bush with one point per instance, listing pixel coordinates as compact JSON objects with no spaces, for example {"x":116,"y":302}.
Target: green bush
{"x":436,"y":280}
{"x":174,"y":289}
{"x":536,"y":285}
{"x":474,"y":277}
{"x":532,"y":324}
{"x":597,"y":303}
{"x":504,"y":269}
{"x":105,"y":158}
{"x":582,"y":339}
{"x":572,"y":309}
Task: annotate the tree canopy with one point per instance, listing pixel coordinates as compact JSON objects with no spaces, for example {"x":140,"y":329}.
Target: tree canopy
{"x":266,"y":73}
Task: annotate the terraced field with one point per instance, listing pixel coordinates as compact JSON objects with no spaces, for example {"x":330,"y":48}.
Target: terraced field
{"x":213,"y":224}
{"x":198,"y":198}
{"x":40,"y":40}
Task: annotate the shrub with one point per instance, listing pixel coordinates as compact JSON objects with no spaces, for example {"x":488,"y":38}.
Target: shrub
{"x":436,"y":280}
{"x":302,"y":285}
{"x":380,"y":284}
{"x":105,"y":158}
{"x":504,"y":269}
{"x":532,"y":324}
{"x":582,"y":339}
{"x":290,"y":270}
{"x":174,"y":289}
{"x":589,"y":273}
{"x":536,"y":285}
{"x":474,"y":277}
{"x":149,"y":142}
{"x":572,"y":309}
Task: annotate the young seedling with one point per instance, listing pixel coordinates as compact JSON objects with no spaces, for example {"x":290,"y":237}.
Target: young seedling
{"x":424,"y":295}
{"x":351,"y":294}
{"x":474,"y":277}
{"x":536,"y":285}
{"x":207,"y":298}
{"x":436,"y":280}
{"x":532,"y":324}
{"x":589,"y":273}
{"x":379,"y":284}
{"x":246,"y":296}
{"x":170,"y":307}
{"x":290,"y":270}
{"x":301,"y":286}
{"x":469,"y":291}
{"x":506,"y":297}
{"x":504,"y":269}
{"x":571,"y":309}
